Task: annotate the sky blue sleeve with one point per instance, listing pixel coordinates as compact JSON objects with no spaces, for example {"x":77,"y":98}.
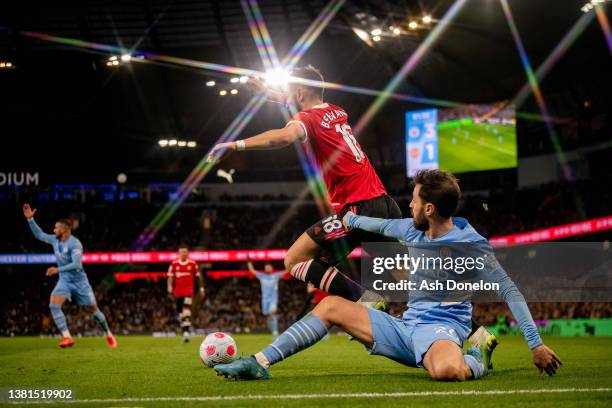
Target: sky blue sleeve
{"x":516,"y":302}
{"x":39,"y":234}
{"x":394,"y":228}
{"x":260,"y":275}
{"x":76,"y":254}
{"x":279,"y":275}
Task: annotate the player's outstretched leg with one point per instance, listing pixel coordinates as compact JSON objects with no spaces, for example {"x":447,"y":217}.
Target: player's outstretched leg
{"x":60,"y":320}
{"x":99,"y":317}
{"x":350,"y":316}
{"x":302,"y":334}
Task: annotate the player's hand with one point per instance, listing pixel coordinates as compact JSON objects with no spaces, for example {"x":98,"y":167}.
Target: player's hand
{"x":220,"y":152}
{"x":170,"y":290}
{"x":52,"y":271}
{"x":545,"y":359}
{"x":202,"y":293}
{"x":28,"y":212}
{"x":255,"y":85}
{"x":345,"y":219}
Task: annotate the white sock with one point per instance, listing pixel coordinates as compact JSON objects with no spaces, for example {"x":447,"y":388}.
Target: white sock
{"x":66,"y":333}
{"x":262,"y":360}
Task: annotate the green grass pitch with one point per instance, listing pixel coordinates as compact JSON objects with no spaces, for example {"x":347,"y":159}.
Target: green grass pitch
{"x":476,"y":147}
{"x":146,"y":367}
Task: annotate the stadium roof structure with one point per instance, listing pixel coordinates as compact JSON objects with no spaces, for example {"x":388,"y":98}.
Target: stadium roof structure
{"x":66,"y":101}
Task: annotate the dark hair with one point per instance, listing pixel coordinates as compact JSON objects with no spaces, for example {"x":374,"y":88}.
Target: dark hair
{"x":439,"y":188}
{"x":66,"y":222}
{"x":183,"y":246}
{"x":313,"y":74}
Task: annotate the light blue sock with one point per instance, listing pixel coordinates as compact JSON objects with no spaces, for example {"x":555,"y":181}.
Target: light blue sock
{"x":58,"y":317}
{"x":302,"y":334}
{"x":478,"y":368}
{"x":99,"y":317}
{"x":274,"y":325}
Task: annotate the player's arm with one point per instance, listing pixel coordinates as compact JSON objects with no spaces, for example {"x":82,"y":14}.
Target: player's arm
{"x":543,"y":357}
{"x":170,"y":279}
{"x":200,"y":281}
{"x":394,"y":228}
{"x":269,"y":140}
{"x":251,"y":268}
{"x":77,"y":260}
{"x":28,"y":212}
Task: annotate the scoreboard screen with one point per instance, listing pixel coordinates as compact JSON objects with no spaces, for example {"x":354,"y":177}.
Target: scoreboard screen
{"x":461,"y":139}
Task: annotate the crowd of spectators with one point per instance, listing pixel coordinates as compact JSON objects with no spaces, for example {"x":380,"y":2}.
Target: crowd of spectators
{"x":233,"y":304}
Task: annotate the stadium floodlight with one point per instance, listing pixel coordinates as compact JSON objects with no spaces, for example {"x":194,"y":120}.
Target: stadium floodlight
{"x":191,"y":144}
{"x":223,"y":92}
{"x":592,"y":4}
{"x":126,"y":58}
{"x":210,"y":83}
{"x":172,"y":142}
{"x":361,"y":34}
{"x":234,"y":91}
{"x":376,"y":31}
{"x":234,"y":80}
{"x":426,"y":19}
{"x":364,"y":36}
{"x":182,"y":143}
{"x":277,"y":78}
{"x":244,"y":79}
{"x":376,"y":38}
{"x":413,"y":25}
{"x":163,"y":142}
{"x":113,"y":58}
{"x":115,"y":63}
{"x":396,"y":31}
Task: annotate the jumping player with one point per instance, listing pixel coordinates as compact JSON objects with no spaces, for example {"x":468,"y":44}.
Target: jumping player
{"x":352,"y":184}
{"x":72,"y":280}
{"x":180,"y":285}
{"x":268,"y":280}
{"x":430,"y":334}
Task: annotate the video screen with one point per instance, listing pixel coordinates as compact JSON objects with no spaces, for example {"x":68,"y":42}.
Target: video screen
{"x":463,"y":139}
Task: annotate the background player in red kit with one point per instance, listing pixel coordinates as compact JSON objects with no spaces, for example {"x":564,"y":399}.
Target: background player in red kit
{"x":352,"y":183}
{"x":181,"y":276}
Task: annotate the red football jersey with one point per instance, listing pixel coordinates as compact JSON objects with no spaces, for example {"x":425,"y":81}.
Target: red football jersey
{"x":350,"y":177}
{"x":183,"y":274}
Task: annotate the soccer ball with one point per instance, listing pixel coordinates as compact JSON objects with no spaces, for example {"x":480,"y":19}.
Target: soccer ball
{"x":218,"y":348}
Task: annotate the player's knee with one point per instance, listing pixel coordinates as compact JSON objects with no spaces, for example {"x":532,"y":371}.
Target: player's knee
{"x":327,"y":309}
{"x":289,"y":264}
{"x":448,"y":371}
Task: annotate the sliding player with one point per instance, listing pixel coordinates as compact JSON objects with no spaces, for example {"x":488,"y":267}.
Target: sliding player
{"x":72,"y":280}
{"x":268,"y":280}
{"x":352,"y":184}
{"x":180,"y":285}
{"x":430,"y":334}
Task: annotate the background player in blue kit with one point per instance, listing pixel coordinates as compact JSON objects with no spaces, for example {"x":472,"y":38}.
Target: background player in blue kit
{"x":430,"y":334}
{"x":269,"y":294}
{"x":72,"y":280}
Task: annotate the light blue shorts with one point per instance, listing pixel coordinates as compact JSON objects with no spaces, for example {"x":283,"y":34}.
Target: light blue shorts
{"x":407,"y":341}
{"x":79,"y":289}
{"x":268,"y":307}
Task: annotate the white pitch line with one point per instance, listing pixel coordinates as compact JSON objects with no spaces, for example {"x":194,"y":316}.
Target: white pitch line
{"x":323,"y":396}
